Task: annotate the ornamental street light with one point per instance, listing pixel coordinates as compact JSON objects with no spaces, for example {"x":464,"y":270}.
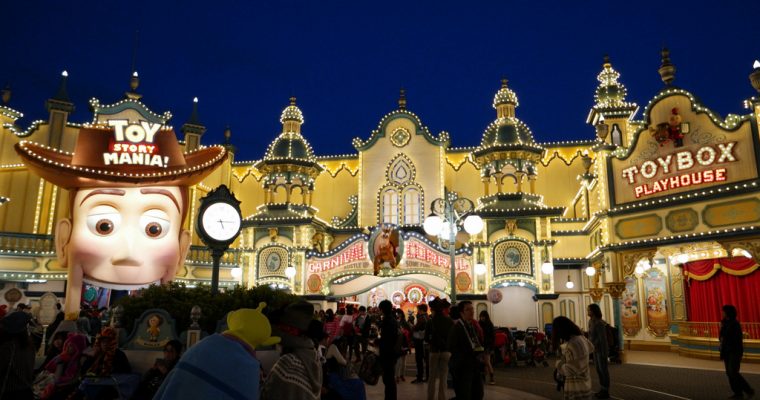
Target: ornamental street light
{"x":447,"y":217}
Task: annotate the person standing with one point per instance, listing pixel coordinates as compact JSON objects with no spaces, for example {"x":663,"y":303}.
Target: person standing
{"x":466,"y":346}
{"x":437,"y":335}
{"x":389,"y":335}
{"x":488,"y":343}
{"x":731,"y":352}
{"x":17,"y":355}
{"x":418,"y":338}
{"x":573,"y":363}
{"x":362,"y":324}
{"x":597,"y":334}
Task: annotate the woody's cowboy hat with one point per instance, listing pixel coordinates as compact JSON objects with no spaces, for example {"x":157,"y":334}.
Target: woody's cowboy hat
{"x":87,"y":167}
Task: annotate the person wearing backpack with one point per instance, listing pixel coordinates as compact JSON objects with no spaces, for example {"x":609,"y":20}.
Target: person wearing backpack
{"x":597,"y":334}
{"x":387,"y":343}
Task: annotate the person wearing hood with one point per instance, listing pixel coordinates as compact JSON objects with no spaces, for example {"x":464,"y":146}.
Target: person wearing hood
{"x":66,"y":368}
{"x":17,"y":353}
{"x":572,"y":367}
{"x":222,"y":366}
{"x":297,"y":374}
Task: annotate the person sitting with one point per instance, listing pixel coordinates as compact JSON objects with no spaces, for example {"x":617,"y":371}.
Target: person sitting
{"x":65,"y":368}
{"x":156,"y":375}
{"x":106,"y":360}
{"x":54,"y":349}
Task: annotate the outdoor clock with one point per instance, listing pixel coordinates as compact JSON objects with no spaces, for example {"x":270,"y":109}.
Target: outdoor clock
{"x":219,"y":218}
{"x":218,"y":224}
{"x":221,"y":221}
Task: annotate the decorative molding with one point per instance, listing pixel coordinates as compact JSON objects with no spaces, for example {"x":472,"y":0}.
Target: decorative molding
{"x":615,"y":289}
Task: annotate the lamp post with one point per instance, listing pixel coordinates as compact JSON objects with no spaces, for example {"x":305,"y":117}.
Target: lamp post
{"x":448,"y":215}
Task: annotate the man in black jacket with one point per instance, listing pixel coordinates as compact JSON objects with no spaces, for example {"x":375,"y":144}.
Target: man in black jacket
{"x":466,"y":346}
{"x":437,"y":336}
{"x":731,"y":352}
{"x":389,"y":350}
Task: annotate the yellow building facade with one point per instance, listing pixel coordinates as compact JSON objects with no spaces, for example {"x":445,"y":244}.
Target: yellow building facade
{"x":616,"y":216}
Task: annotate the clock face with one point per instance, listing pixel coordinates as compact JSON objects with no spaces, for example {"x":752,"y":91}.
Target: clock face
{"x":512,"y":257}
{"x":221,"y":221}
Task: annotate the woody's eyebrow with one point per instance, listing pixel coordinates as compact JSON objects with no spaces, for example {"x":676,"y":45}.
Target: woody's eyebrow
{"x":115,"y":192}
{"x":163,"y":192}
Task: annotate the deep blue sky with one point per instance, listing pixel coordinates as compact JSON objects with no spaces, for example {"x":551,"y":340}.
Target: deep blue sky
{"x":345,"y":61}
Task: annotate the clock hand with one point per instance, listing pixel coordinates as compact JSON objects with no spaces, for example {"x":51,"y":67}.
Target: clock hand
{"x":221,"y":223}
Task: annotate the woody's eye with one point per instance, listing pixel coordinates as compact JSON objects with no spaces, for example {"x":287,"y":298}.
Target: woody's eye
{"x":154,"y":227}
{"x":103,"y":224}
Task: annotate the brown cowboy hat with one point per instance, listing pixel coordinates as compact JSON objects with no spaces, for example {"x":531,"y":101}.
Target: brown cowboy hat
{"x":93,"y":163}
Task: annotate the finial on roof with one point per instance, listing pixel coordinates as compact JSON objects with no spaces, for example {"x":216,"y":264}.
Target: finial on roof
{"x":194,"y":115}
{"x":134,"y":82}
{"x":402,"y":99}
{"x":227,"y":134}
{"x":754,"y":77}
{"x":504,"y":83}
{"x":5,"y":94}
{"x":63,"y":94}
{"x":292,"y":100}
{"x":667,"y":69}
{"x":606,"y":60}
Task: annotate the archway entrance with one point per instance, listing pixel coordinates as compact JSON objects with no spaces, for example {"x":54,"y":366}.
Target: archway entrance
{"x":404,"y":291}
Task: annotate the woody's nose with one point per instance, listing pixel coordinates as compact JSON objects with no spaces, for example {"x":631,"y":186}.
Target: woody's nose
{"x":125,"y":254}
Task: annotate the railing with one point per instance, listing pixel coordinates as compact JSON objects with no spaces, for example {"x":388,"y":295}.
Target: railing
{"x":712,"y":330}
{"x":26,"y":244}
{"x":202,"y":255}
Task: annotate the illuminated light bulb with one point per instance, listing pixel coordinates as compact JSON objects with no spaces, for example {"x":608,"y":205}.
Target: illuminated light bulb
{"x":290,"y":272}
{"x":65,"y":73}
{"x":135,"y":74}
{"x":433,"y":225}
{"x":639,"y":270}
{"x":195,"y":99}
{"x":473,"y":224}
{"x":521,"y":283}
{"x":756,"y":64}
{"x":569,"y":284}
{"x":682,"y":258}
{"x":547,"y":267}
{"x":236,"y":272}
{"x":480,"y":269}
{"x":590,"y":271}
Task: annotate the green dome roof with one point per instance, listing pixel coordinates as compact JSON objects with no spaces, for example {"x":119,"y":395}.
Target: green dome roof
{"x":505,"y":95}
{"x":290,"y":146}
{"x":507,"y":131}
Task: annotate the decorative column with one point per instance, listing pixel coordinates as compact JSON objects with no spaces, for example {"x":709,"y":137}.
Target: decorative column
{"x":485,"y":186}
{"x":596,"y":294}
{"x":616,"y":290}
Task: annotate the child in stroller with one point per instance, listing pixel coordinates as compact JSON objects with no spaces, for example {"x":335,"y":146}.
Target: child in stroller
{"x":530,"y":347}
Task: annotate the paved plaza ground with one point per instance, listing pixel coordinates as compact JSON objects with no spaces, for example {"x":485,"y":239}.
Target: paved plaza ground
{"x":646,"y":376}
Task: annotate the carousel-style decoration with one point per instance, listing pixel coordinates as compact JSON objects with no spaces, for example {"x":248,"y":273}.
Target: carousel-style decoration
{"x":507,"y":149}
{"x":289,"y":163}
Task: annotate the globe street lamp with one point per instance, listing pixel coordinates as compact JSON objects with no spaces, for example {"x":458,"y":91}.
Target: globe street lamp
{"x":448,"y":215}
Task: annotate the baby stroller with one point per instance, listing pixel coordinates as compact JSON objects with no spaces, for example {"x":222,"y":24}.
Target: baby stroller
{"x":502,"y":346}
{"x":536,"y":341}
{"x":520,"y":349}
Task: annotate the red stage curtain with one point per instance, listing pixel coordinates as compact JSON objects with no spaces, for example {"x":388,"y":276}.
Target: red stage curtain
{"x":708,"y":289}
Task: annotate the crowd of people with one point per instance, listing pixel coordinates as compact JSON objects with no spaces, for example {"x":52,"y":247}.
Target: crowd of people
{"x":322,"y":355}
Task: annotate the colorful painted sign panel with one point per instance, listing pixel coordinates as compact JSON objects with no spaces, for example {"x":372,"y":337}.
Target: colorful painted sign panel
{"x":707,"y":155}
{"x":630,"y":318}
{"x":656,"y":295}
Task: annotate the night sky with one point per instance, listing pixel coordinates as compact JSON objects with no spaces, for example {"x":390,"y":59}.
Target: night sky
{"x":345,"y":61}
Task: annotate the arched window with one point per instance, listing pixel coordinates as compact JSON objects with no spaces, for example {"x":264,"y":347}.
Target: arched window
{"x":390,"y":206}
{"x":411,"y":206}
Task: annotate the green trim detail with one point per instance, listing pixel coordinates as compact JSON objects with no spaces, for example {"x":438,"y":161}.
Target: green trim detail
{"x":653,"y":232}
{"x":419,"y":129}
{"x":682,"y":220}
{"x":709,"y":218}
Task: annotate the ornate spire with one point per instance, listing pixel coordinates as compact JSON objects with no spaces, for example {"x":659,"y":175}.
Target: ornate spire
{"x":610,"y":93}
{"x":402,"y":99}
{"x":293,"y":115}
{"x":227,"y":135}
{"x":754,"y":77}
{"x":194,"y":115}
{"x":61,"y":99}
{"x":667,"y":69}
{"x":505,"y":95}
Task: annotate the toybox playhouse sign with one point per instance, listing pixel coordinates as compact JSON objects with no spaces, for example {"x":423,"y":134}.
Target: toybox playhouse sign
{"x":709,"y":156}
{"x":133,"y":144}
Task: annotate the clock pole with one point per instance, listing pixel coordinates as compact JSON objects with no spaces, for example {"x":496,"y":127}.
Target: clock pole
{"x":216,"y":255}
